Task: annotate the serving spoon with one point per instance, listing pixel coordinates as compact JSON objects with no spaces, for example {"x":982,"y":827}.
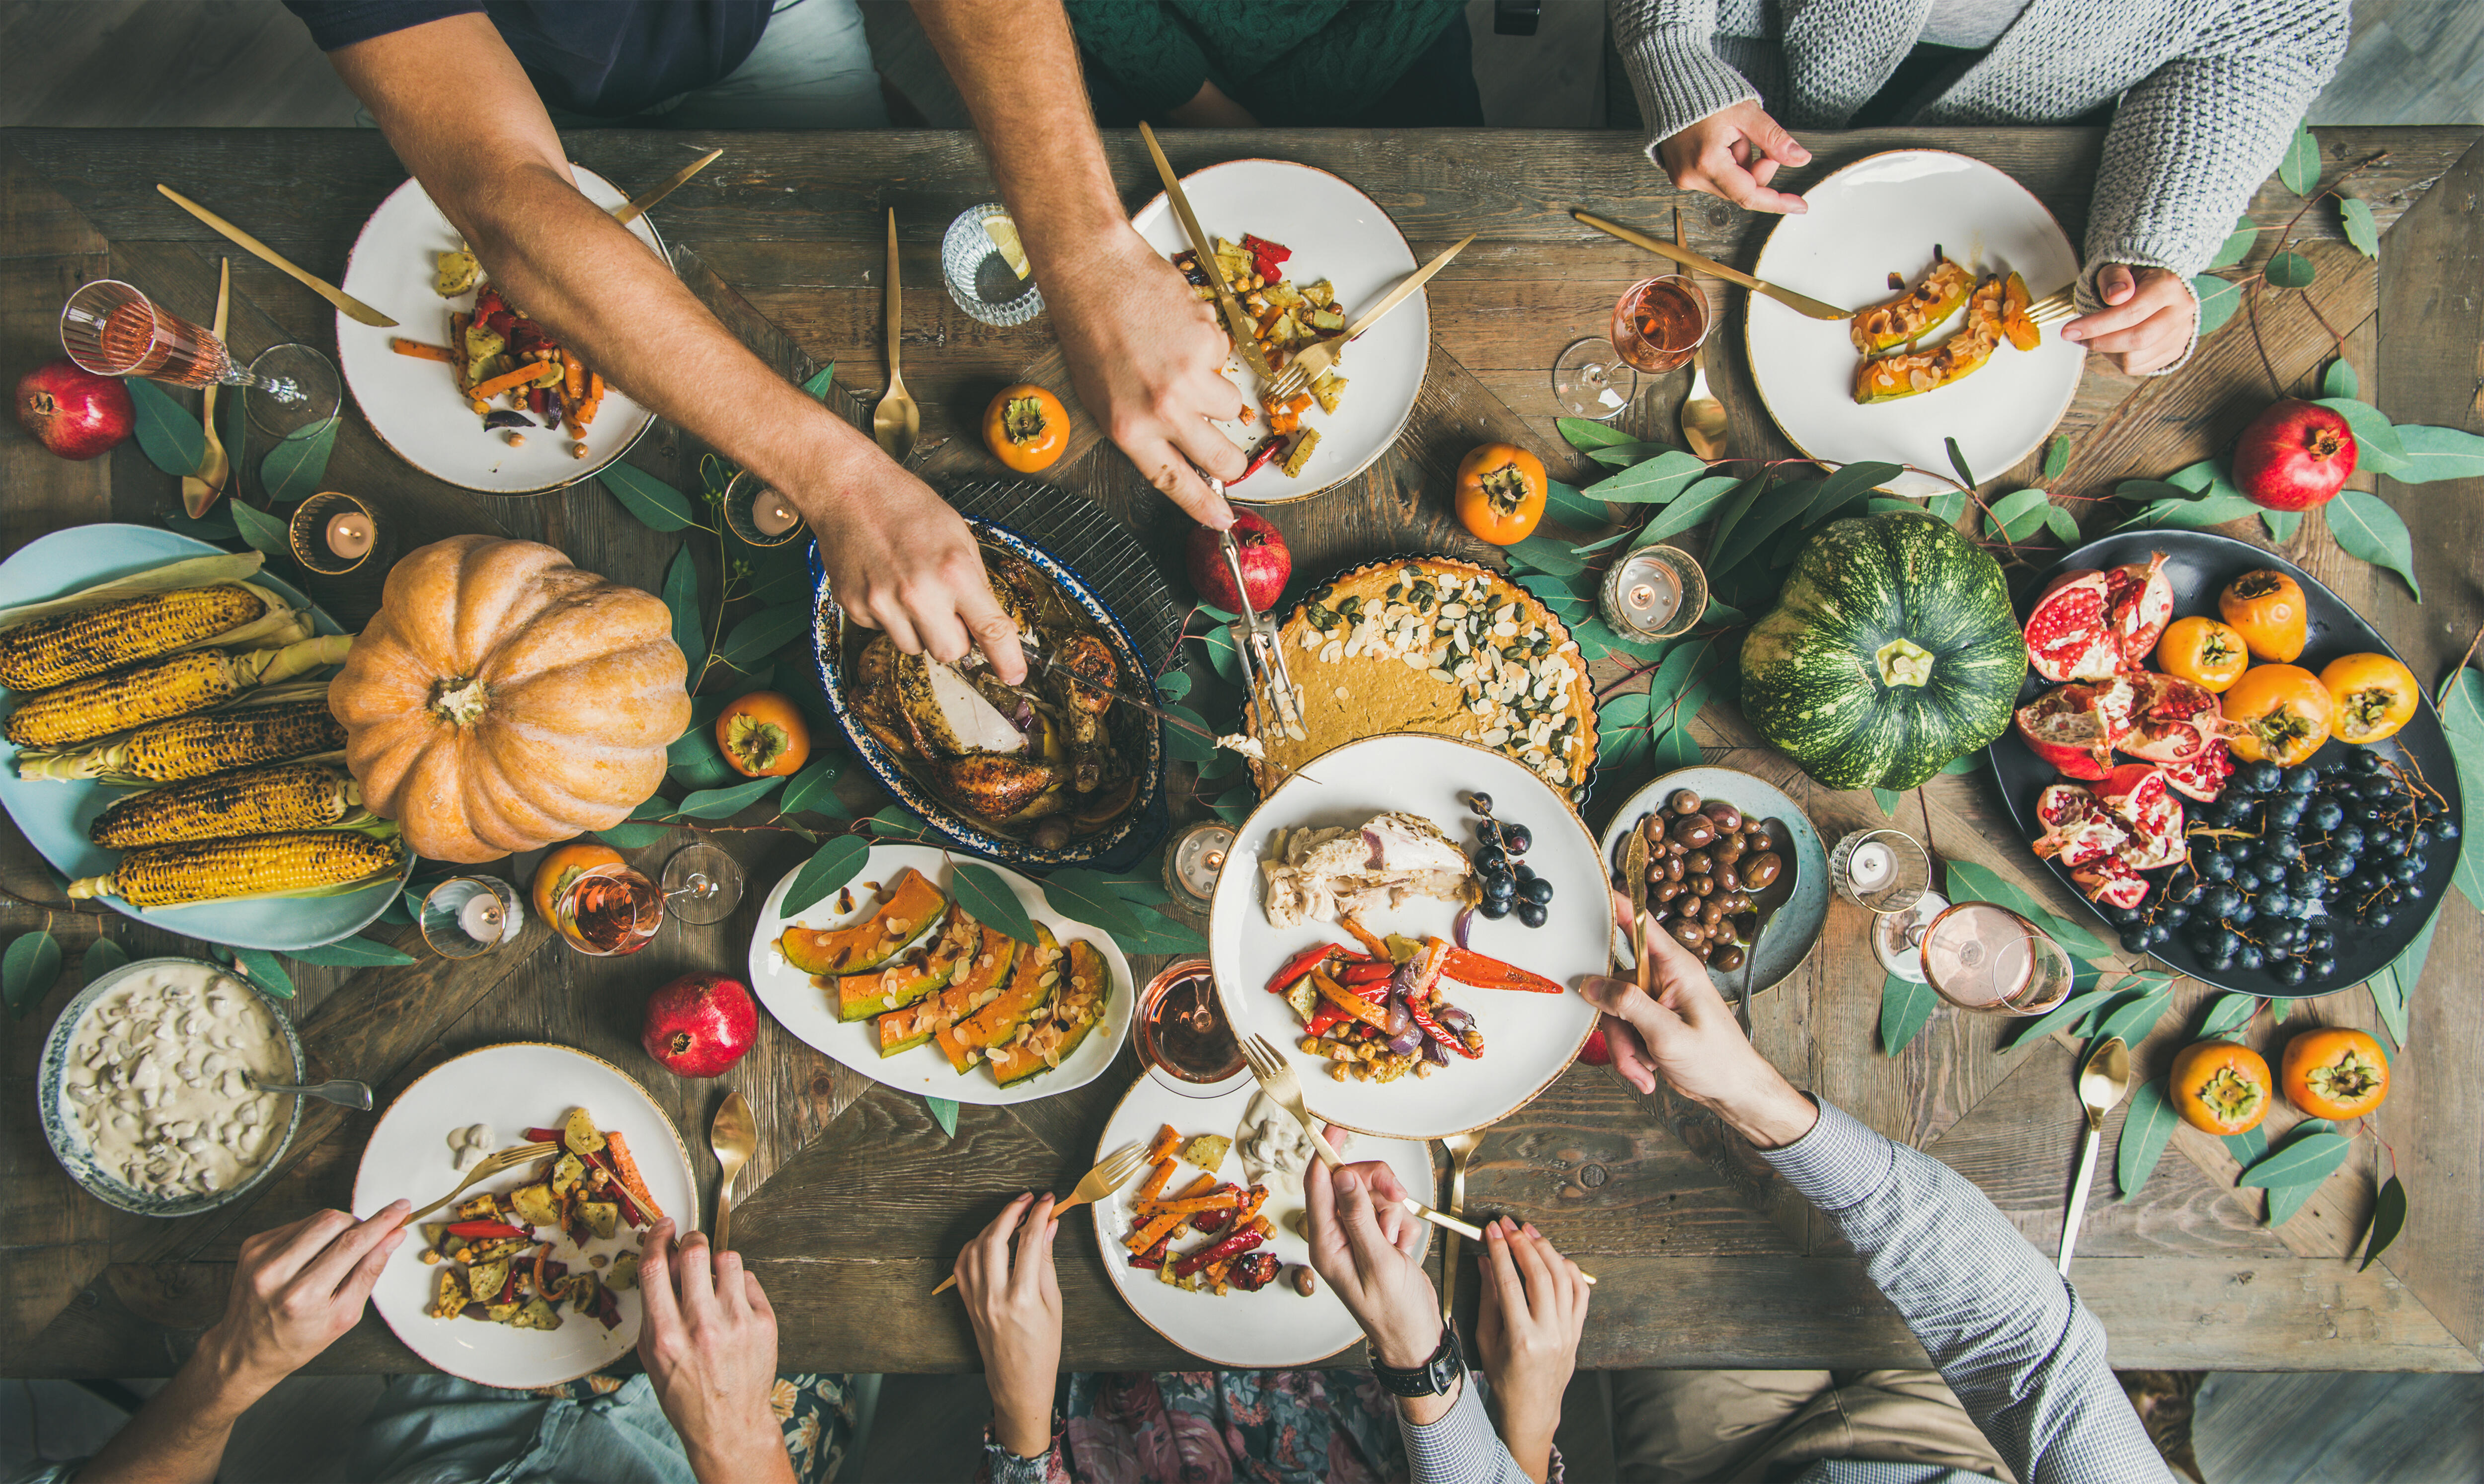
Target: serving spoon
{"x":896,"y":420}
{"x":2104,"y":1083}
{"x":343,"y":1091}
{"x":1765,"y":901}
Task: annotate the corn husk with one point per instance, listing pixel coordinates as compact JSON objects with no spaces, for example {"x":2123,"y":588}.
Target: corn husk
{"x":282,"y":624}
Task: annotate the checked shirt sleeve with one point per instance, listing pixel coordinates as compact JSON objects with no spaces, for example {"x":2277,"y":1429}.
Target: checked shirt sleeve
{"x":2005,"y":1331}
{"x":1460,"y":1446}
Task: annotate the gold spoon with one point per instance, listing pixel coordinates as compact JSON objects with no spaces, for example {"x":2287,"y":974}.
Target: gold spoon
{"x":897,"y":420}
{"x":199,"y":491}
{"x":1702,"y":417}
{"x":734,"y":1141}
{"x":2104,"y":1083}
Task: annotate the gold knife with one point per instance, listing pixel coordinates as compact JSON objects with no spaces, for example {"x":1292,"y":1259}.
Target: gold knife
{"x":1802,"y":304}
{"x":347,"y":303}
{"x":638,"y":204}
{"x":1244,"y":330}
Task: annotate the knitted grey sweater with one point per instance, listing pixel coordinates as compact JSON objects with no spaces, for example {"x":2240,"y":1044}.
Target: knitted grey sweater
{"x":2209,"y":89}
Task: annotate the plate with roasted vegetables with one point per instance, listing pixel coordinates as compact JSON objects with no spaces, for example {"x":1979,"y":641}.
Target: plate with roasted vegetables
{"x":167,"y":745}
{"x":1406,"y":918}
{"x":1304,"y":253}
{"x":1940,"y":257}
{"x":467,"y":388}
{"x":1207,"y":1245}
{"x":896,"y":976}
{"x":530,"y":1278}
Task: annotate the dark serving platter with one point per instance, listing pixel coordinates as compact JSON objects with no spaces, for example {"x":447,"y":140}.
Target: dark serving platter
{"x":2199,"y":564}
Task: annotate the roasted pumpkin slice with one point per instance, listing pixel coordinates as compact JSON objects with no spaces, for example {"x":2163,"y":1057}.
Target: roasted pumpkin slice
{"x":2023,"y":332}
{"x":976,"y":984}
{"x":923,"y":970}
{"x":1076,"y":1010}
{"x":908,"y":910}
{"x":1952,"y":360}
{"x":1915,"y":313}
{"x":1032,"y":979}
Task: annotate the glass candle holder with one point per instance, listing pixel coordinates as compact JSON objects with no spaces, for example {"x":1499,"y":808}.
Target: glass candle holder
{"x":1195,"y":859}
{"x":979,"y":277}
{"x":1655,"y":592}
{"x":759,"y":515}
{"x":466,"y":915}
{"x":333,"y":533}
{"x":1880,"y":870}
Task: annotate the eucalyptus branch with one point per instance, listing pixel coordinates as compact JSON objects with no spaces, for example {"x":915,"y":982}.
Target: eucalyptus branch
{"x":71,"y":908}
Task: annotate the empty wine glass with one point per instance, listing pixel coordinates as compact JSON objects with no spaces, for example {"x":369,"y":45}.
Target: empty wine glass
{"x":1591,"y":380}
{"x":702,"y":884}
{"x":113,"y":330}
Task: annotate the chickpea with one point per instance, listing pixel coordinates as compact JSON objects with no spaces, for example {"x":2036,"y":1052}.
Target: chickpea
{"x":1305,"y":1282}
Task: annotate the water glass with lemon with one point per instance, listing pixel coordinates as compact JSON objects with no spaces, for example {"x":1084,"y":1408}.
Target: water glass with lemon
{"x":984,"y":266}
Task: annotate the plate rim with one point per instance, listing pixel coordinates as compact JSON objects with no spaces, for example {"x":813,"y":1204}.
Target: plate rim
{"x":1420,"y":299}
{"x":681,"y":1226}
{"x":2068,"y":396}
{"x":1603,"y":877}
{"x":1613,"y":831}
{"x":1105,"y":1241}
{"x":589,"y":468}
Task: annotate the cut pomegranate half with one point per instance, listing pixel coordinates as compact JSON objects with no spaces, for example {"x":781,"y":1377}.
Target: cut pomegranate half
{"x":2070,"y":635}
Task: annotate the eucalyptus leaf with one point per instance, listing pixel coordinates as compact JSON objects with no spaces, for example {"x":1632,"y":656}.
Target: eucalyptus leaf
{"x":2219,"y":297}
{"x":264,"y":970}
{"x":2142,"y":490}
{"x":1090,"y":897}
{"x":28,"y":968}
{"x":2340,"y":379}
{"x":760,"y":635}
{"x":2300,"y":169}
{"x":169,"y":434}
{"x":658,"y":505}
{"x":214,"y":526}
{"x":2063,"y":525}
{"x":682,"y":601}
{"x":630,"y":835}
{"x":1784,"y":503}
{"x":2378,"y":447}
{"x":1888,"y":799}
{"x":1695,"y":505}
{"x":2306,"y":1160}
{"x":2462,"y":722}
{"x":2135,"y":1017}
{"x":722,"y":803}
{"x":1173,"y":684}
{"x":1543,"y":553}
{"x":944,"y":1112}
{"x":1904,"y":1007}
{"x":2197,"y":514}
{"x":1650,"y":482}
{"x":2388,"y":1219}
{"x":2227,"y":1013}
{"x":1159,"y":934}
{"x":2195,"y":478}
{"x":2251,"y":1143}
{"x":2060,"y":1016}
{"x":101,"y":957}
{"x":2404,"y":973}
{"x":1730,"y":516}
{"x":1587,"y":434}
{"x":2145,"y":1129}
{"x":2438,"y":453}
{"x":2363,"y":232}
{"x":1676,"y":749}
{"x":780,"y":574}
{"x":1223,"y":654}
{"x":1183,"y":744}
{"x":821,"y":379}
{"x":263,"y":531}
{"x":988,"y":900}
{"x":2020,"y":514}
{"x":1947,"y":506}
{"x":1722,"y":614}
{"x":1624,"y":455}
{"x":236,"y":436}
{"x":1211,"y":610}
{"x":2367,"y":527}
{"x":814,"y":790}
{"x":694,"y":761}
{"x":296,"y":467}
{"x":352,"y":953}
{"x":2281,"y":523}
{"x":1591,"y":548}
{"x":2057,"y":457}
{"x":1957,"y":461}
{"x":831,"y":865}
{"x":2237,"y":246}
{"x":1564,"y":505}
{"x":2290,"y":270}
{"x":1963,"y":763}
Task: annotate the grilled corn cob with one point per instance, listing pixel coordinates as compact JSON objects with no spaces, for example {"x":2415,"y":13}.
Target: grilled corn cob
{"x":195,"y":746}
{"x":62,"y":647}
{"x":292,"y":795}
{"x":251,"y":866}
{"x":115,"y":702}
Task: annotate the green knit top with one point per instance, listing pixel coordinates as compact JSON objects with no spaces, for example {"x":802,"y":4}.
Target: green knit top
{"x":1304,"y":62}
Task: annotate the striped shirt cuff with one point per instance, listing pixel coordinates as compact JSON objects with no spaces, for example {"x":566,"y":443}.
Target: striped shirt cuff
{"x":1838,"y":1164}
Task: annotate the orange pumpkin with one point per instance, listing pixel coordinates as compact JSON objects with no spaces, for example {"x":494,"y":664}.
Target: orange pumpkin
{"x":502,"y":699}
{"x":2219,"y":1088}
{"x":1026,"y":427}
{"x":1501,"y":493}
{"x":2283,"y":713}
{"x":2336,"y":1072}
{"x":2374,"y":696}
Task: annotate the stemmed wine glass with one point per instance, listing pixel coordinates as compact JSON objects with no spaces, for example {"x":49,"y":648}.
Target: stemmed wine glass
{"x":113,"y":330}
{"x":1659,"y":322}
{"x":1974,"y":954}
{"x":612,"y":910}
{"x":1591,"y":380}
{"x":702,"y":884}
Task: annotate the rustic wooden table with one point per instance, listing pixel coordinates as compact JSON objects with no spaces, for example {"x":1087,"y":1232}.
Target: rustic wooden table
{"x":856,"y":1199}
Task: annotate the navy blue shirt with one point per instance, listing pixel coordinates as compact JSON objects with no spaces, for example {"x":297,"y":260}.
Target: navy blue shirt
{"x":609,"y":58}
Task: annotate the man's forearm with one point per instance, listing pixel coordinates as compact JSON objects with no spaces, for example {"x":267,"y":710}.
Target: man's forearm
{"x":178,"y":1436}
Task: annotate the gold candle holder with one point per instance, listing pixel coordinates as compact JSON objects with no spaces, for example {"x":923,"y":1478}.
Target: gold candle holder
{"x":333,"y":533}
{"x":751,"y":509}
{"x":1655,"y":592}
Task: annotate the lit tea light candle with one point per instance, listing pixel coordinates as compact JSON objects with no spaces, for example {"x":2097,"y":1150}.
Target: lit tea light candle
{"x":1870,"y":866}
{"x":1198,"y":857}
{"x":483,"y":918}
{"x":774,"y":515}
{"x":349,"y":534}
{"x":1653,"y":593}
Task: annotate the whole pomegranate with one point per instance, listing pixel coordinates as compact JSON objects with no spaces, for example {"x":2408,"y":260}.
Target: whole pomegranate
{"x":2294,"y":456}
{"x":72,"y":411}
{"x":1266,"y":565}
{"x":700,"y":1024}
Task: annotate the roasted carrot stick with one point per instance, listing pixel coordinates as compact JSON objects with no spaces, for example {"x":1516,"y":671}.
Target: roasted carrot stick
{"x":533,"y":373}
{"x":419,"y":351}
{"x":1165,"y":1140}
{"x":1153,"y":1188}
{"x":1152,"y":1232}
{"x":573,"y":376}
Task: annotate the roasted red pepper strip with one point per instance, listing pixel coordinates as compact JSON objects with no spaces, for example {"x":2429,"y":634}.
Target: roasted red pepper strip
{"x":1435,"y":1030}
{"x":1260,"y":247}
{"x":617,"y":1190}
{"x":1260,"y":456}
{"x":1378,"y":946}
{"x":544,"y":1136}
{"x":1233,"y":1246}
{"x":1298,"y":965}
{"x":487,"y":1228}
{"x":1365,"y":973}
{"x":1351,"y":1002}
{"x":1323,"y":1020}
{"x":1484,"y":972}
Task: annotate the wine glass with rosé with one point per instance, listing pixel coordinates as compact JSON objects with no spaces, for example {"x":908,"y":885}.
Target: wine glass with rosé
{"x":607,"y":911}
{"x":113,"y":330}
{"x":1658,"y":323}
{"x":1974,"y":954}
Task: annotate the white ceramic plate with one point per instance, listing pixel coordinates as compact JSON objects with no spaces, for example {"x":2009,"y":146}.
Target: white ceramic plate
{"x":412,"y":404}
{"x":1881,"y":215}
{"x":512,"y":1087}
{"x":1339,"y":235}
{"x":1276,"y":1326}
{"x":1528,"y":1039}
{"x":804,"y":1009}
{"x":54,"y":816}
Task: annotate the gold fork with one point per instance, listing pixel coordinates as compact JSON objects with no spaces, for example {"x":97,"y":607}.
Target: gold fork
{"x":490,"y":1165}
{"x":1461,"y":1147}
{"x":1115,"y":1171}
{"x":1300,"y":372}
{"x":2054,"y":307}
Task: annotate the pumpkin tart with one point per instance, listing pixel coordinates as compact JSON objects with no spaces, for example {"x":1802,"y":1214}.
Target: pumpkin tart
{"x":1435,"y":645}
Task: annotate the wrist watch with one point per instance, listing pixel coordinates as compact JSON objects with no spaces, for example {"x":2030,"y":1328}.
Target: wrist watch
{"x":1434,"y":1377}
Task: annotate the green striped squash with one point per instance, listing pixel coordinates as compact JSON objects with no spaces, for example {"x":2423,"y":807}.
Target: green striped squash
{"x":1891,"y":651}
